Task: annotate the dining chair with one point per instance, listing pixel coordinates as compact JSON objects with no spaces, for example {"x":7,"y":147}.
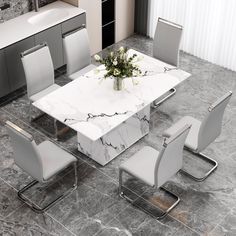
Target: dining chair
{"x":39,"y":73}
{"x":203,"y":133}
{"x":155,"y":168}
{"x":42,"y":162}
{"x":77,"y":53}
{"x":166,"y":47}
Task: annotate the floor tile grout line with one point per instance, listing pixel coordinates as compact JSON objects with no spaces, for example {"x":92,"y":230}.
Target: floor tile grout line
{"x":8,"y":184}
{"x":184,"y":224}
{"x":46,"y":213}
{"x":22,"y":204}
{"x":218,"y":224}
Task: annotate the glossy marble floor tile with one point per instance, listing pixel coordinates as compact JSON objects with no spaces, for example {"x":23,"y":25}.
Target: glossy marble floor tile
{"x":94,"y":208}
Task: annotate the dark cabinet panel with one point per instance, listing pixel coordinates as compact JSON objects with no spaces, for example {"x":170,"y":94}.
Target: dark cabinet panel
{"x":108,"y":35}
{"x":4,"y":82}
{"x":54,"y":40}
{"x":108,"y":11}
{"x":15,"y":69}
{"x":108,"y":23}
{"x":73,"y":23}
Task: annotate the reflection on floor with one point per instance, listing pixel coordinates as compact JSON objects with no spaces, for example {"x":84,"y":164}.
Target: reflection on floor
{"x":207,"y":208}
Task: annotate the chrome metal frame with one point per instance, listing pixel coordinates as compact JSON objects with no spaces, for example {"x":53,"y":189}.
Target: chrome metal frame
{"x":35,"y":118}
{"x":38,"y":209}
{"x":156,"y":104}
{"x":121,"y":193}
{"x":205,"y":158}
{"x":74,"y":31}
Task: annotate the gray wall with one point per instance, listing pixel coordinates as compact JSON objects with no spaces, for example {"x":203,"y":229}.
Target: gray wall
{"x":19,"y":7}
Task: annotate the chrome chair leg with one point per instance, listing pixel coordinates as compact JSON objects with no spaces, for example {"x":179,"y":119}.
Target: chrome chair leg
{"x":157,"y":103}
{"x":38,"y":209}
{"x":164,"y":213}
{"x":55,"y":129}
{"x":205,"y":158}
{"x":30,"y":109}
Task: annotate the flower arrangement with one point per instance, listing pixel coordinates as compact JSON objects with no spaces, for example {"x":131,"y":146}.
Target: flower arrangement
{"x":119,"y":65}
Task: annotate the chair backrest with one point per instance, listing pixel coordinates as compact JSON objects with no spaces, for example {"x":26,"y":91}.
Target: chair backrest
{"x":167,"y":41}
{"x":77,"y":50}
{"x":170,"y":158}
{"x":211,"y":125}
{"x":26,"y":155}
{"x":38,"y":67}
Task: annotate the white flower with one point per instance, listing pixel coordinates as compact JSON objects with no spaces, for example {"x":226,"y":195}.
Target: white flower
{"x":97,"y":57}
{"x":121,"y":49}
{"x":112,"y":54}
{"x":115,"y":62}
{"x":116,"y":72}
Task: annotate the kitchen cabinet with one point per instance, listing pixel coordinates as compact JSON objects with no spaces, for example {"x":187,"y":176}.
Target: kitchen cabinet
{"x":12,"y":76}
{"x":73,"y":23}
{"x":4,"y":83}
{"x":16,"y":75}
{"x":53,"y":38}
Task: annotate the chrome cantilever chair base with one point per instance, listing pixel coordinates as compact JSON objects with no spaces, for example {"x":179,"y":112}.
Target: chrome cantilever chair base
{"x":159,"y":217}
{"x":157,"y":103}
{"x":205,"y":158}
{"x":31,"y":119}
{"x":38,"y":209}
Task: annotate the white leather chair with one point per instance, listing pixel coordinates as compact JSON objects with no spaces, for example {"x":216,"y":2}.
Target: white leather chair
{"x":156,"y":168}
{"x":39,"y":73}
{"x":42,"y":162}
{"x":203,"y":133}
{"x":77,"y":53}
{"x":166,"y":47}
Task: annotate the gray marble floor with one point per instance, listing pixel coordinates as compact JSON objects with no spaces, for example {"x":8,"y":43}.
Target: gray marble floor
{"x":206,"y":208}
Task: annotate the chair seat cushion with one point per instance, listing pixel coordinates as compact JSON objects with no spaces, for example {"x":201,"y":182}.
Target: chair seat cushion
{"x":192,"y":138}
{"x":142,"y":165}
{"x":54,"y":159}
{"x":81,"y":72}
{"x":44,"y":92}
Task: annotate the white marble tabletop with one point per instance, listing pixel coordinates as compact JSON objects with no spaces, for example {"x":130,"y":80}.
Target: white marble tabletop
{"x":90,"y":106}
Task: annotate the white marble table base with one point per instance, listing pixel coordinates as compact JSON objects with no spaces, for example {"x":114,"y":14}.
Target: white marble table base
{"x":117,"y":140}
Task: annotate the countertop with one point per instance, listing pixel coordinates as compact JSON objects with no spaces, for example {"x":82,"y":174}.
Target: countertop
{"x":19,"y":28}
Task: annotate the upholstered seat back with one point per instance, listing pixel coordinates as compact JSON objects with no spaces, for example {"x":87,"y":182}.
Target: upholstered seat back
{"x":77,"y":50}
{"x":211,"y":125}
{"x":26,"y":155}
{"x":38,"y":68}
{"x":170,"y":158}
{"x":167,"y":41}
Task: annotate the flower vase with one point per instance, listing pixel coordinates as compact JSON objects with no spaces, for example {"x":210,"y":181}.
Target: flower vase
{"x":117,"y":83}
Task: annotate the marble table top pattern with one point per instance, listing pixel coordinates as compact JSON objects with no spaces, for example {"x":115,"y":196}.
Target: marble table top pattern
{"x":90,"y":106}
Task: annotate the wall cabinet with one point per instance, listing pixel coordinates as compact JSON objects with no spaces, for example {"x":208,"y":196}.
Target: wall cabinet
{"x":12,"y":75}
{"x":123,"y":23}
{"x":4,"y":83}
{"x":54,"y":40}
{"x":15,"y":69}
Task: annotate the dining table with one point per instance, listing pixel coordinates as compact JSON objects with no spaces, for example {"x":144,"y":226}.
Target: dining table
{"x":107,"y":121}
